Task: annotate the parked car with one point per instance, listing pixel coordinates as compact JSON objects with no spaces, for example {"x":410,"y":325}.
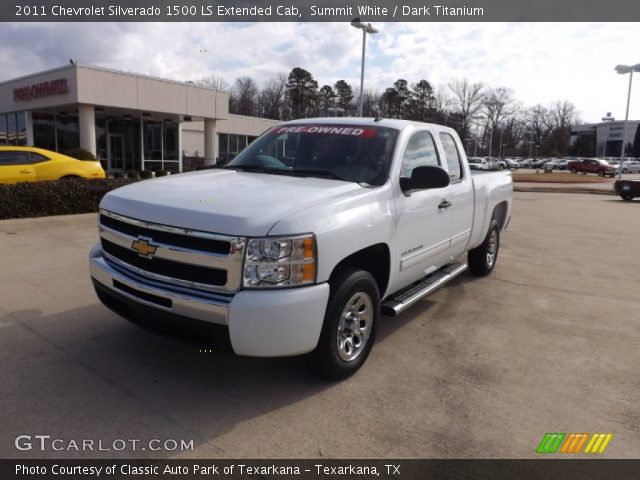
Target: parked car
{"x":562,"y":163}
{"x":630,"y":166}
{"x":539,"y":162}
{"x":526,"y":163}
{"x":478,"y":163}
{"x":484,"y":163}
{"x":511,"y":164}
{"x":592,"y":165}
{"x":29,"y":164}
{"x":276,"y":255}
{"x":502,"y":164}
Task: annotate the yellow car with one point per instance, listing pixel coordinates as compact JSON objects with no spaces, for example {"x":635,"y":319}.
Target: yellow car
{"x":30,"y":164}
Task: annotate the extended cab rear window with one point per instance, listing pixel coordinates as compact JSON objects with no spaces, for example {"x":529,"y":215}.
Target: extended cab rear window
{"x":353,"y":153}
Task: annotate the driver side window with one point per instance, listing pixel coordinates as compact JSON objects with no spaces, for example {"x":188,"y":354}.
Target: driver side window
{"x":421,"y":151}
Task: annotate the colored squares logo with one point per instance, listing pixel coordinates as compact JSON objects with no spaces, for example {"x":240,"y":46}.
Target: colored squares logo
{"x":574,"y":443}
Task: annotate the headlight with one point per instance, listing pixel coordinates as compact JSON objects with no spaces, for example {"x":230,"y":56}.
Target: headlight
{"x":280,"y":262}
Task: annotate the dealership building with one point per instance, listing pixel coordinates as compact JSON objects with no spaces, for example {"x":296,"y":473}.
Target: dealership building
{"x":128,"y":121}
{"x":605,"y":138}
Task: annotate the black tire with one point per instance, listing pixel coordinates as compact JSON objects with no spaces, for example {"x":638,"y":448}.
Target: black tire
{"x":626,"y":196}
{"x":480,"y":261}
{"x":625,"y":170}
{"x":574,"y":171}
{"x":601,"y":173}
{"x":328,"y":357}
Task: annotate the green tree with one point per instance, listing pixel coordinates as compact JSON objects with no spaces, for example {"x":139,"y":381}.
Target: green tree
{"x":302,"y":92}
{"x":326,"y":98}
{"x":345,"y":96}
{"x":423,"y":99}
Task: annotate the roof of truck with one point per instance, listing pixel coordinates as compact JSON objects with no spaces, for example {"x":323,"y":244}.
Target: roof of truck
{"x":370,"y":121}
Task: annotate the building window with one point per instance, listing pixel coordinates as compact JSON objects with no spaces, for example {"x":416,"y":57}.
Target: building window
{"x":3,"y":130}
{"x":68,"y":132}
{"x":170,"y":141}
{"x":21,"y":122}
{"x":12,"y":132}
{"x":101,"y":140}
{"x":152,"y":140}
{"x":223,"y":143}
{"x":44,"y":131}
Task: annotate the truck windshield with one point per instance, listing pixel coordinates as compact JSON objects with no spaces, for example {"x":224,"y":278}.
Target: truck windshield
{"x":351,"y":153}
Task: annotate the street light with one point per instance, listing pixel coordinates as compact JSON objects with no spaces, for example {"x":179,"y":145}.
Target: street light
{"x":366,"y":28}
{"x":502,"y":145}
{"x":607,"y":119}
{"x":623,"y":70}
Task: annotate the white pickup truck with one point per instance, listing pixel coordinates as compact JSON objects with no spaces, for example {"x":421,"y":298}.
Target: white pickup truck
{"x":299,"y":244}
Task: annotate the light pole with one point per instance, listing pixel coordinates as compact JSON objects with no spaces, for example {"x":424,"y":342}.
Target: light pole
{"x":366,"y":28}
{"x":502,"y":149}
{"x":623,"y":70}
{"x":607,"y":119}
{"x":475,"y":119}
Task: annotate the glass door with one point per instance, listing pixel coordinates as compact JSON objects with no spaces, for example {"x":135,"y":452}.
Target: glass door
{"x":115,"y":151}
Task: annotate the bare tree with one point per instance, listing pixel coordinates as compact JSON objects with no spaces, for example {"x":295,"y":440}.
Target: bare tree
{"x":213,"y":81}
{"x":468,"y":101}
{"x":271,"y":98}
{"x":498,"y":105}
{"x":244,"y":96}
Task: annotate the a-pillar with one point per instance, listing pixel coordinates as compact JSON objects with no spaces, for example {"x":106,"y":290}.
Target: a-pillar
{"x":87,"y":126}
{"x":209,"y":141}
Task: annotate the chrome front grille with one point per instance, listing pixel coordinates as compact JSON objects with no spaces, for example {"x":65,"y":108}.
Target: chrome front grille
{"x":176,"y":256}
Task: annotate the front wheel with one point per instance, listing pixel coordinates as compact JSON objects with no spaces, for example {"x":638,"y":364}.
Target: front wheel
{"x":626,"y":196}
{"x":574,"y":171}
{"x":482,"y":259}
{"x":350,"y":324}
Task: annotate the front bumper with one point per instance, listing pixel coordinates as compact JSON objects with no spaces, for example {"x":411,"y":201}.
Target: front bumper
{"x":264,"y":323}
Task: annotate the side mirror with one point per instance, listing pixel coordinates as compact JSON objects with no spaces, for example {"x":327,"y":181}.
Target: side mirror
{"x":426,"y":177}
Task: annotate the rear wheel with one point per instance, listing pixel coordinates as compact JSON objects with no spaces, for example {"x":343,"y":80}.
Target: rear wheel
{"x":350,"y":324}
{"x":626,"y":196}
{"x":574,"y":171}
{"x":482,"y":259}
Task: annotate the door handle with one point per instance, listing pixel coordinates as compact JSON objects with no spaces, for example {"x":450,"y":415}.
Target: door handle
{"x":444,"y":204}
{"x":25,"y":171}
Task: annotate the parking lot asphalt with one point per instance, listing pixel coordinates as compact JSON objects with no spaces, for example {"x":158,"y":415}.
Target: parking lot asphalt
{"x":481,"y":369}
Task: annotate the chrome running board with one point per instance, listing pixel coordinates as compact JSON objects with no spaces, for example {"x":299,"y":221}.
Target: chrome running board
{"x":400,"y":301}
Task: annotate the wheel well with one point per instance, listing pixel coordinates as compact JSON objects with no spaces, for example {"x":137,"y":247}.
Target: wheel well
{"x":65,"y":177}
{"x":500,"y":214}
{"x":374,"y":259}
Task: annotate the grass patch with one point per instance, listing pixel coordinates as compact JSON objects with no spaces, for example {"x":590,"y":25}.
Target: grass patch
{"x":557,"y":177}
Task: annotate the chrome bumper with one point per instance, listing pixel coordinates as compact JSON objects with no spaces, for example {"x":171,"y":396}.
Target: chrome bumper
{"x":198,"y":305}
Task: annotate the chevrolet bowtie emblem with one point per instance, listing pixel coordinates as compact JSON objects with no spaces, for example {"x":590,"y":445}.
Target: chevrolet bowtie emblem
{"x":143,"y":247}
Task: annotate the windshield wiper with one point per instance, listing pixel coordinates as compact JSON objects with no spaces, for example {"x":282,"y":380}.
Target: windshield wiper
{"x":316,"y":172}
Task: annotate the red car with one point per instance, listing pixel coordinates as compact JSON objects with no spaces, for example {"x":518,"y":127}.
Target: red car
{"x":592,"y":165}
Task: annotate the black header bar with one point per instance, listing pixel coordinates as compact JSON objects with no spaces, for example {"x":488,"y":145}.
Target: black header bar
{"x":320,"y":11}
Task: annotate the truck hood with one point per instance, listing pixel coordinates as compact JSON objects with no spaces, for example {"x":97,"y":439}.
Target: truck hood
{"x":224,"y":201}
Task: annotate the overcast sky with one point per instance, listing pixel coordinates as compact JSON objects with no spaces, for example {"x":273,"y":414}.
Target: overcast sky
{"x":541,"y":62}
